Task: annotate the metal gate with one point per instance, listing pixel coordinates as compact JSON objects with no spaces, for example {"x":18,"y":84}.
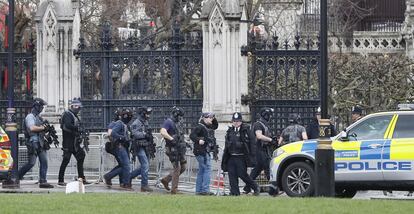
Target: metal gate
{"x":139,"y":72}
{"x":286,"y":80}
{"x":23,"y":80}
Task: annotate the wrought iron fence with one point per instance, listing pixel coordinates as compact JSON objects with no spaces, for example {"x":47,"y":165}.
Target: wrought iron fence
{"x":22,"y":79}
{"x":97,"y":114}
{"x":23,"y":72}
{"x":305,"y":108}
{"x":288,"y":74}
{"x":286,"y":80}
{"x":140,"y":72}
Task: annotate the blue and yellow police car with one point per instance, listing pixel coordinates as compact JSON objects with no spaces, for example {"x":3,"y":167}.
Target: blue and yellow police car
{"x":6,"y":161}
{"x":374,"y":153}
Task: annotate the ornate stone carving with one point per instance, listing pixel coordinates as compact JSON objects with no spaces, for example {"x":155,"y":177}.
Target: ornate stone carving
{"x":49,"y":24}
{"x":216,"y":25}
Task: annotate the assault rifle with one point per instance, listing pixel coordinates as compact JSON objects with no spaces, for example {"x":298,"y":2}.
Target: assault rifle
{"x":83,"y":137}
{"x":50,"y":135}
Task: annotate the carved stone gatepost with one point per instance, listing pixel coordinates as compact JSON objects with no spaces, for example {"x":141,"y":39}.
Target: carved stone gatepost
{"x":224,"y":69}
{"x":58,"y":72}
{"x":408,"y":28}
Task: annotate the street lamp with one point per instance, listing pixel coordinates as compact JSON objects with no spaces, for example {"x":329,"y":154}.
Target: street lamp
{"x":11,"y":125}
{"x":324,"y":154}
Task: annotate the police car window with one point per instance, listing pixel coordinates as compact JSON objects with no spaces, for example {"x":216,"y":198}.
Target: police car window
{"x":372,"y":128}
{"x":404,"y":127}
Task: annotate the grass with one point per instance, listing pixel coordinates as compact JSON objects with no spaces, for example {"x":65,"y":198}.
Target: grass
{"x":155,"y":203}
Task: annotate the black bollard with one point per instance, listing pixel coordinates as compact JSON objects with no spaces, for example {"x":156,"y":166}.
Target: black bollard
{"x":325,"y":160}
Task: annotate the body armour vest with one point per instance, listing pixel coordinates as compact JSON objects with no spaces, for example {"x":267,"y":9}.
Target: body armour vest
{"x":236,"y":146}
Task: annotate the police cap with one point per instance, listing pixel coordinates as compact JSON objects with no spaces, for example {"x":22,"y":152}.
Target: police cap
{"x":237,"y":116}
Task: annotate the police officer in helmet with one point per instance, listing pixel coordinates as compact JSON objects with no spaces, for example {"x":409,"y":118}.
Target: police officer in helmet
{"x":120,"y":137}
{"x":109,"y":147}
{"x":265,"y":144}
{"x":142,"y":143}
{"x":239,"y":153}
{"x":173,"y":133}
{"x":36,"y":145}
{"x":294,"y":132}
{"x":70,"y":125}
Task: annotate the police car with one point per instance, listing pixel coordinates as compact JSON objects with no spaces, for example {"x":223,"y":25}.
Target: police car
{"x":374,"y":153}
{"x":6,"y":161}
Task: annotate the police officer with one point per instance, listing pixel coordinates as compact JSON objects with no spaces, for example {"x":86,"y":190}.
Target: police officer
{"x":356,"y":113}
{"x":120,"y":137}
{"x":204,"y":143}
{"x":142,"y":141}
{"x":312,"y":130}
{"x":294,"y":132}
{"x":239,"y":153}
{"x":265,"y":144}
{"x":70,"y":124}
{"x":173,"y":133}
{"x":36,"y":145}
{"x":109,"y":148}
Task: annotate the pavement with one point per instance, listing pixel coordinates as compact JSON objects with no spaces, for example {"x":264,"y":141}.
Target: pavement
{"x":30,"y":186}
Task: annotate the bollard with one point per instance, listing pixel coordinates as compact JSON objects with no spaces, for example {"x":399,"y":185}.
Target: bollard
{"x":325,"y":159}
{"x":12,"y":181}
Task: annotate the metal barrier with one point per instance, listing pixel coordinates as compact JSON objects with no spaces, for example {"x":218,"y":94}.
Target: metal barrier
{"x":98,"y":162}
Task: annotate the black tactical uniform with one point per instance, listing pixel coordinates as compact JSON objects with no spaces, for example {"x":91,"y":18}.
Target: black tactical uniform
{"x":70,"y":124}
{"x":239,"y":153}
{"x":175,"y":149}
{"x":264,"y":148}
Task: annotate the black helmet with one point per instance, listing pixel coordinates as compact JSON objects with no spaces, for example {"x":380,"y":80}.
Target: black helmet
{"x":176,"y":113}
{"x":126,"y":115}
{"x":294,"y":118}
{"x":37,"y":105}
{"x":144,"y":110}
{"x":266,"y":113}
{"x":38,"y":102}
{"x":116,"y":114}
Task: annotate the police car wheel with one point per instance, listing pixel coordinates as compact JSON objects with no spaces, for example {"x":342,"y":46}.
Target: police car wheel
{"x":298,"y":180}
{"x":345,"y":193}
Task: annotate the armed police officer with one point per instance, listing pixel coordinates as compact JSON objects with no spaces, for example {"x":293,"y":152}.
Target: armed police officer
{"x":239,"y":153}
{"x":110,"y":148}
{"x":204,"y":144}
{"x":34,"y":129}
{"x":173,"y":133}
{"x":312,"y":130}
{"x":142,"y":146}
{"x":265,"y":145}
{"x":294,"y":132}
{"x":121,"y":140}
{"x":70,"y":125}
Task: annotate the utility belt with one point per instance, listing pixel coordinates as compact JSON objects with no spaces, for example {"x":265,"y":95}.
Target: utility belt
{"x":141,"y":143}
{"x":237,"y":154}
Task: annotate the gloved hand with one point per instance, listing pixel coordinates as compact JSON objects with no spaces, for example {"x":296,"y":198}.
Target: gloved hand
{"x":175,"y":139}
{"x":148,"y":136}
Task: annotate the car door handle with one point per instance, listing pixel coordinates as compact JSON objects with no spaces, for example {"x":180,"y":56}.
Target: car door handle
{"x":374,"y":145}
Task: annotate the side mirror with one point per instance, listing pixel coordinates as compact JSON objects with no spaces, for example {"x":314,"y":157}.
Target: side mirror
{"x":343,"y":136}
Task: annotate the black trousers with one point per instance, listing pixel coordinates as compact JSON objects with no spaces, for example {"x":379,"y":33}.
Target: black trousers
{"x":80,"y":158}
{"x":263,"y":163}
{"x":237,"y":168}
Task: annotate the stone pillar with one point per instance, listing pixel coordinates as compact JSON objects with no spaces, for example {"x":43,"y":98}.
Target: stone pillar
{"x":408,"y":28}
{"x":224,"y":69}
{"x":58,"y":72}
